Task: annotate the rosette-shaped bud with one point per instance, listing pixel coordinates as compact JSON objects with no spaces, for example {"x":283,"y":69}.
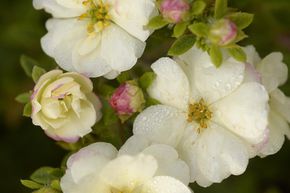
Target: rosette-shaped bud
{"x":127,"y":99}
{"x":174,"y":10}
{"x":64,"y":106}
{"x":223,"y":32}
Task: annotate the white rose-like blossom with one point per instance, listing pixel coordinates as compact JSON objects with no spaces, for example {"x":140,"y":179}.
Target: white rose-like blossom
{"x":210,"y":115}
{"x":64,"y":106}
{"x":96,"y":37}
{"x":271,"y":72}
{"x":97,"y":169}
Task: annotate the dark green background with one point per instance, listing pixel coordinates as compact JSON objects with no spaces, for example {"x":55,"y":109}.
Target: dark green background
{"x":24,"y":148}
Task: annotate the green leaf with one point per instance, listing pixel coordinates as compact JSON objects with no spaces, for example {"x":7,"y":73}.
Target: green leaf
{"x":238,"y":54}
{"x":199,"y":29}
{"x":151,"y":101}
{"x":27,"y":64}
{"x":157,"y":22}
{"x":241,"y":35}
{"x":242,"y":20}
{"x":179,"y":29}
{"x":216,"y":56}
{"x":109,"y":115}
{"x":37,"y":72}
{"x":123,"y":77}
{"x":105,"y":90}
{"x":221,"y":8}
{"x":46,"y":190}
{"x":146,"y":79}
{"x":30,"y":184}
{"x":46,"y":175}
{"x":27,"y":110}
{"x":181,"y":45}
{"x":23,"y":98}
{"x":55,"y":184}
{"x":198,"y":7}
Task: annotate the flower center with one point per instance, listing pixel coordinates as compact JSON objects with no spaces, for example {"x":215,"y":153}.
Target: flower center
{"x":98,"y":14}
{"x":200,"y":113}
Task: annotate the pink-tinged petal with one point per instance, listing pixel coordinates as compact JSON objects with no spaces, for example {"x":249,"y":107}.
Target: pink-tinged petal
{"x":251,"y":74}
{"x":174,"y":10}
{"x":127,"y":99}
{"x":61,"y":138}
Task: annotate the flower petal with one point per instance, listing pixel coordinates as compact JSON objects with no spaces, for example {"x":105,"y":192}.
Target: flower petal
{"x":274,"y":72}
{"x":119,"y":49}
{"x":163,"y":184}
{"x":280,"y":104}
{"x":61,"y":8}
{"x":133,"y":16}
{"x":90,"y":159}
{"x":171,"y":86}
{"x":220,"y":153}
{"x":134,"y":145}
{"x":210,"y":82}
{"x":277,"y":126}
{"x":160,"y":124}
{"x":244,"y":112}
{"x":169,"y":164}
{"x":127,"y":172}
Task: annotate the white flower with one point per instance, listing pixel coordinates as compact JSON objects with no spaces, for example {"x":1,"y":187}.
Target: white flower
{"x":64,"y":105}
{"x":96,"y":37}
{"x":210,"y":115}
{"x":96,"y":169}
{"x":272,"y":72}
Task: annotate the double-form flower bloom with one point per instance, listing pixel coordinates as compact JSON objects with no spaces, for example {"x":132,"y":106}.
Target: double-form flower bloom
{"x":98,"y":168}
{"x":212,"y":116}
{"x":271,"y":72}
{"x":96,"y":37}
{"x":64,"y":105}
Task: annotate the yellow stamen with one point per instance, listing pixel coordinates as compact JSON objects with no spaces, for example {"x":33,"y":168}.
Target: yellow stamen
{"x":200,"y":113}
{"x":98,"y":13}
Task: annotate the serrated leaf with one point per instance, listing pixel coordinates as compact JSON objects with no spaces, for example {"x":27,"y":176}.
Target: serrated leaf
{"x":221,"y":8}
{"x":27,"y":110}
{"x":179,"y":29}
{"x":23,"y":97}
{"x":46,"y":175}
{"x":123,"y":77}
{"x":31,"y":184}
{"x":198,"y":7}
{"x":146,"y":79}
{"x":27,"y":64}
{"x":199,"y":29}
{"x":181,"y":45}
{"x":216,"y":56}
{"x":242,"y":20}
{"x":37,"y":72}
{"x":238,"y":54}
{"x":157,"y":22}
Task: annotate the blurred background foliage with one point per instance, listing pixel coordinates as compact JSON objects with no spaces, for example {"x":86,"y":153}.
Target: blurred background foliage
{"x":24,"y":148}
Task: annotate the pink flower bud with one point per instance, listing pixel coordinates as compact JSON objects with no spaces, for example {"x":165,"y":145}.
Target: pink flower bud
{"x":127,"y":99}
{"x":223,"y":32}
{"x":174,"y":10}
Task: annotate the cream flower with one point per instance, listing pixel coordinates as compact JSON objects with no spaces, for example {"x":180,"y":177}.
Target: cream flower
{"x":96,"y":37}
{"x":64,"y":105}
{"x":208,"y":114}
{"x":272,"y":72}
{"x":96,"y":168}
